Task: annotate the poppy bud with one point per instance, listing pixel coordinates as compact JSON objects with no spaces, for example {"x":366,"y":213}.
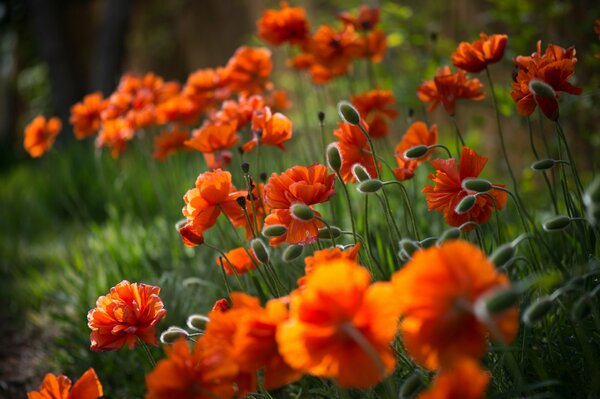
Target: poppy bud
{"x":369,"y":186}
{"x":582,"y":308}
{"x":450,"y":234}
{"x":241,"y":201}
{"x":360,"y":172}
{"x":502,"y":255}
{"x":411,"y":112}
{"x":245,"y":167}
{"x":592,"y":193}
{"x":334,"y":158}
{"x":274,"y":230}
{"x":302,"y":212}
{"x":541,"y":88}
{"x":172,"y":334}
{"x":292,"y":252}
{"x":465,"y":204}
{"x":495,"y":301}
{"x":556,"y":223}
{"x":416,"y":152}
{"x":263,"y":177}
{"x":428,"y":242}
{"x":321,"y":116}
{"x":408,"y":245}
{"x":537,"y":310}
{"x":477,"y":185}
{"x":543,"y":164}
{"x":348,"y":113}
{"x":197,"y":322}
{"x":412,"y":386}
{"x":327,"y":233}
{"x":260,"y":250}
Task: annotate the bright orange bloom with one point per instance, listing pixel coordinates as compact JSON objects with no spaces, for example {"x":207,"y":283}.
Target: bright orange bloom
{"x":448,"y":192}
{"x":207,"y":372}
{"x":211,"y":137}
{"x":437,"y":289}
{"x":114,"y":134}
{"x":464,"y":379}
{"x":179,"y":109}
{"x":59,"y":387}
{"x":239,"y":259}
{"x":417,"y":134}
{"x":373,"y":45}
{"x":376,"y":108}
{"x":205,"y":86}
{"x":475,"y":57}
{"x":335,"y":48}
{"x":341,"y":326}
{"x":447,"y":87}
{"x":323,"y":256}
{"x":554,"y":67}
{"x":248,"y":70}
{"x":354,"y":148}
{"x":130,"y":312}
{"x":269,"y":129}
{"x":299,"y":231}
{"x":40,"y":135}
{"x":212,"y":194}
{"x":288,"y":24}
{"x":278,"y":100}
{"x":240,"y":111}
{"x":319,"y":73}
{"x":367,"y":18}
{"x":85,"y":116}
{"x":169,"y":142}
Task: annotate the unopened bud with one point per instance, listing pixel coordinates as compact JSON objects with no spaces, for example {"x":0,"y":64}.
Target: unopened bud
{"x":369,"y":186}
{"x":502,"y":255}
{"x":477,"y":185}
{"x":327,"y":233}
{"x":348,"y":113}
{"x":409,"y":246}
{"x":495,"y":301}
{"x":465,"y":204}
{"x":260,"y":250}
{"x":412,"y":386}
{"x":428,"y":242}
{"x":245,"y":167}
{"x":274,"y":230}
{"x":582,"y":308}
{"x":592,"y":193}
{"x":292,"y":252}
{"x":197,"y":322}
{"x":334,"y":158}
{"x":537,"y":310}
{"x":321,"y":116}
{"x":302,"y":212}
{"x":543,"y":164}
{"x":450,"y":234}
{"x":172,"y":334}
{"x":263,"y":176}
{"x":416,"y":152}
{"x":360,"y":172}
{"x":241,"y":201}
{"x":541,"y":88}
{"x":556,"y":223}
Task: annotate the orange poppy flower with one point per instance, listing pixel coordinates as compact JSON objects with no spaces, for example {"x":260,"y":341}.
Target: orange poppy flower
{"x":287,"y":24}
{"x":40,"y":135}
{"x":464,"y":379}
{"x":269,"y":129}
{"x":239,"y":259}
{"x":439,"y":287}
{"x":221,"y":305}
{"x":248,"y":70}
{"x":130,"y":312}
{"x":299,"y":231}
{"x":554,"y":68}
{"x":240,"y":111}
{"x":447,"y":191}
{"x":417,"y":134}
{"x":475,"y":57}
{"x":114,"y":134}
{"x":85,"y":116}
{"x":322,"y":257}
{"x":354,"y":148}
{"x":211,"y":137}
{"x":179,"y":109}
{"x":447,"y":87}
{"x":334,"y":48}
{"x":373,"y":45}
{"x":278,"y":100}
{"x":375,"y":107}
{"x":169,"y":142}
{"x":367,"y":18}
{"x":206,"y":372}
{"x":205,"y":86}
{"x":59,"y":387}
{"x":341,"y":326}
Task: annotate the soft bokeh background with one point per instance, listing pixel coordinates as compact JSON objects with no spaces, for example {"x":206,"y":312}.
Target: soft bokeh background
{"x":77,"y":222}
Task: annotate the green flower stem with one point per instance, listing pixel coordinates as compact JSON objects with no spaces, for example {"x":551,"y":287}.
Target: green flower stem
{"x":147,"y":351}
{"x":408,"y":206}
{"x":537,"y":157}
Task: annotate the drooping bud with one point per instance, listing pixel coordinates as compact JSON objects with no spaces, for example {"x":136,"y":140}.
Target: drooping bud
{"x":477,"y":185}
{"x":260,"y":250}
{"x":292,"y":252}
{"x":412,"y":386}
{"x":556,"y":223}
{"x":369,"y":186}
{"x":245,"y":167}
{"x":592,"y":193}
{"x":541,"y":88}
{"x":416,"y":152}
{"x":428,"y":242}
{"x":348,"y":113}
{"x":327,"y":233}
{"x":495,"y":301}
{"x":543,"y":164}
{"x":360,"y":172}
{"x":321,"y":116}
{"x":334,"y":158}
{"x":537,"y":310}
{"x":450,"y":234}
{"x":302,"y":212}
{"x":241,"y":201}
{"x":197,"y":322}
{"x":274,"y":230}
{"x":502,"y":255}
{"x":409,"y":246}
{"x":172,"y":334}
{"x":263,"y":177}
{"x":591,"y":200}
{"x":465,"y":204}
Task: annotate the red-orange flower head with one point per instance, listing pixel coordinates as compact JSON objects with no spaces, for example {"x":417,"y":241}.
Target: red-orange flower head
{"x":59,"y":387}
{"x":212,"y":194}
{"x":324,"y":256}
{"x":130,"y":312}
{"x":85,"y":116}
{"x":464,"y":379}
{"x":447,"y":87}
{"x":288,"y":24}
{"x":307,"y":185}
{"x":114,"y":134}
{"x":341,"y":326}
{"x":354,"y":148}
{"x":335,"y":48}
{"x":169,"y":142}
{"x":248,"y":70}
{"x":475,"y":57}
{"x":214,"y":137}
{"x":40,"y":135}
{"x":554,"y":68}
{"x":367,"y":18}
{"x":237,"y":261}
{"x":447,"y":191}
{"x":417,"y":134}
{"x":437,"y":289}
{"x":269,"y":129}
{"x":376,"y":108}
